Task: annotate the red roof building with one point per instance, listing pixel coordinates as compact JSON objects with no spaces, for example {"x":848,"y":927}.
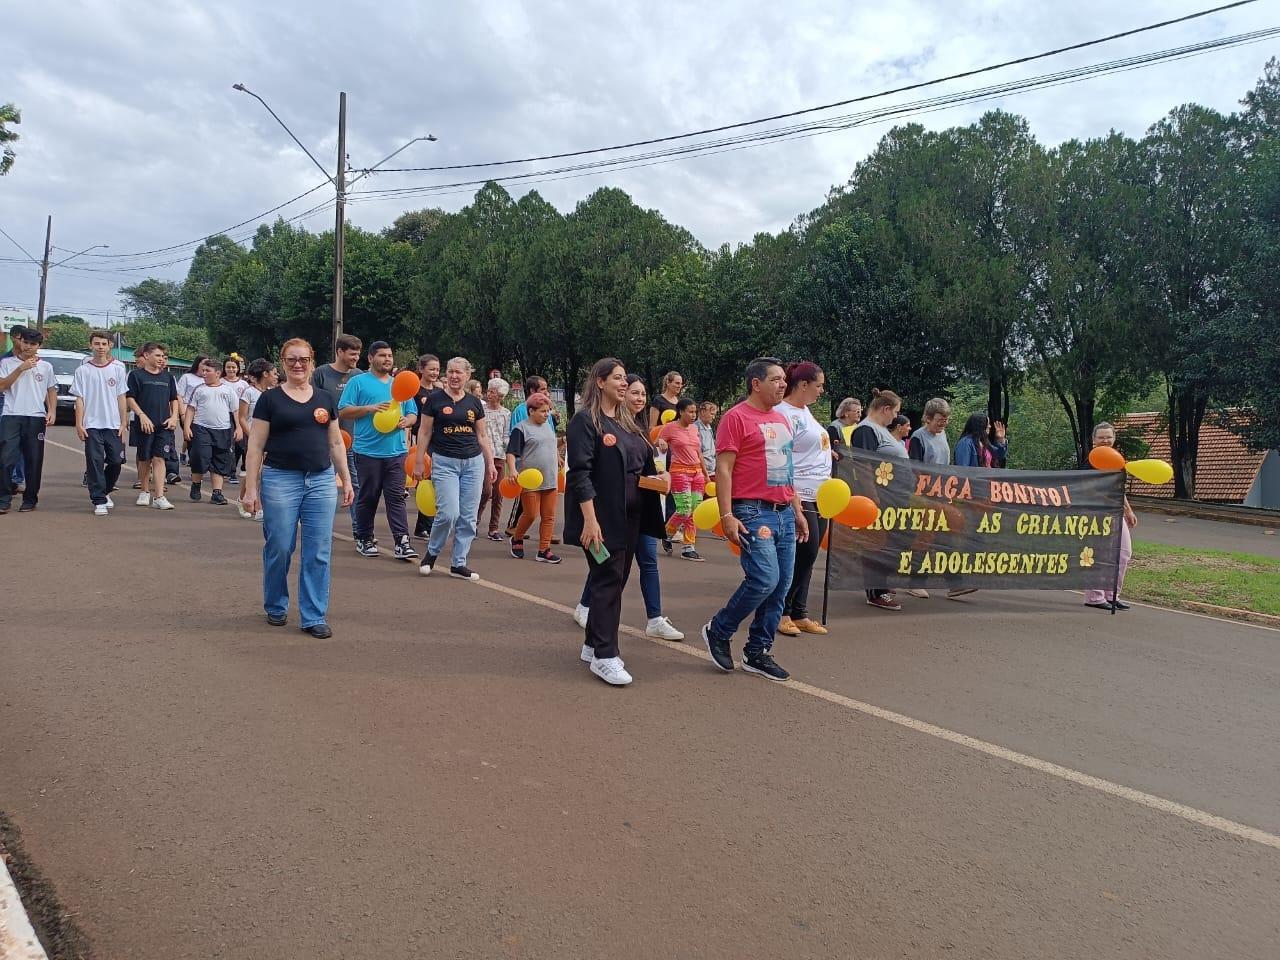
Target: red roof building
{"x":1226,"y":470}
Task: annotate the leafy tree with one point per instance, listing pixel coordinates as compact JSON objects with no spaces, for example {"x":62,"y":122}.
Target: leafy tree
{"x":211,"y":260}
{"x":1194,"y":170}
{"x":66,"y":334}
{"x":414,"y":226}
{"x":65,"y":318}
{"x":9,"y":115}
{"x":159,"y":301}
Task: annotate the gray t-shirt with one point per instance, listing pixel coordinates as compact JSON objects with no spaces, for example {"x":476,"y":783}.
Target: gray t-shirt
{"x":328,"y":378}
{"x":930,"y":447}
{"x":535,"y":446}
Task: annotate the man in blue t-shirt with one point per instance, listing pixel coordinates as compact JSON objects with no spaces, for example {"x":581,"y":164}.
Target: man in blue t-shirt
{"x":379,"y":456}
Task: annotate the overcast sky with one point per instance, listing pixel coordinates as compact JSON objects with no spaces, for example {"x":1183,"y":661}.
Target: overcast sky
{"x":133,"y":137}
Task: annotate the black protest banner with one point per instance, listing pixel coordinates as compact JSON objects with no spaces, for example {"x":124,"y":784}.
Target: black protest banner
{"x":952,"y":527}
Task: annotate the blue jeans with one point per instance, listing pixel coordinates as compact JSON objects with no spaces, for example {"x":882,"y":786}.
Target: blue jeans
{"x":458,"y":483}
{"x":650,"y":585}
{"x":290,"y":498}
{"x":767,"y":565}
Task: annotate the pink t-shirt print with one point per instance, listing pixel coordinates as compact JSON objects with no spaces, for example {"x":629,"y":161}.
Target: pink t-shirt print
{"x":762,"y":441}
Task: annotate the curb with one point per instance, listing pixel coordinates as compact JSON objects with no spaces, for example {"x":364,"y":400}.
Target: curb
{"x":17,"y":938}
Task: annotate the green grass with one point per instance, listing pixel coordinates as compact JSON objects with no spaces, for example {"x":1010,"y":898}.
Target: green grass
{"x":1173,"y":575}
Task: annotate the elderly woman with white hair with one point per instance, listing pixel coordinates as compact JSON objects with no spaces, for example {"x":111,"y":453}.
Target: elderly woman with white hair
{"x":452,"y":429}
{"x":497,"y":421}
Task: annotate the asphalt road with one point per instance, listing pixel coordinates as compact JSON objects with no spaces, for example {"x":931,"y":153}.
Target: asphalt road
{"x":444,"y":779}
{"x":1207,"y":534}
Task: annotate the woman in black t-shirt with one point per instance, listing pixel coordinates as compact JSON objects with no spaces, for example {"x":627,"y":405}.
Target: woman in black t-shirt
{"x":296,"y":462}
{"x":449,"y":428}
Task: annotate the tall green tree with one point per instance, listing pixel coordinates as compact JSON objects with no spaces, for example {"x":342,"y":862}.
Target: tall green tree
{"x":414,"y":226}
{"x":211,"y":260}
{"x":9,"y":116}
{"x":159,"y":301}
{"x":1194,"y":166}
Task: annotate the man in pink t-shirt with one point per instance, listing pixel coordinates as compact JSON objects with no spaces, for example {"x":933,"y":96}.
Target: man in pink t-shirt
{"x":761,"y":514}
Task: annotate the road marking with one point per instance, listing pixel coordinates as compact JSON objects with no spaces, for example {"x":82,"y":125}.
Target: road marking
{"x":1108,"y":787}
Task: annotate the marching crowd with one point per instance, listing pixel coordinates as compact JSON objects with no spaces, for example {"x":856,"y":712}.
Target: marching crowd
{"x":633,"y":471}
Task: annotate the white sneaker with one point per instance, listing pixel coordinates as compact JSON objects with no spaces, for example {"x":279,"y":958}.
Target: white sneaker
{"x":918,"y":594}
{"x":144,"y":499}
{"x":99,"y":509}
{"x":580,"y":615}
{"x":244,"y":514}
{"x":663,"y":629}
{"x":162,"y":503}
{"x":258,"y":516}
{"x":588,"y":653}
{"x":111,"y":504}
{"x":611,"y":671}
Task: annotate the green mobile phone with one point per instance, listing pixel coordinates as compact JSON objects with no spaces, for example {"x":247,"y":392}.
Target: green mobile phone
{"x":599,"y":551}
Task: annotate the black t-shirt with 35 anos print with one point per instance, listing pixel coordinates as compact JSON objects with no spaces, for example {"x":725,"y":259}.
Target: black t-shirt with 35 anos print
{"x":454,"y":425}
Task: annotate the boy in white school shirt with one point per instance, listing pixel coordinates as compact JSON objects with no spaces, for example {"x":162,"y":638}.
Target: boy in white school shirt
{"x":211,"y":427}
{"x":30,"y":404}
{"x":99,"y":386}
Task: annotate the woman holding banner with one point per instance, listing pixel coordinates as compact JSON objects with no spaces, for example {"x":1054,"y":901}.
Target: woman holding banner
{"x":873,"y":434}
{"x":1104,"y":435}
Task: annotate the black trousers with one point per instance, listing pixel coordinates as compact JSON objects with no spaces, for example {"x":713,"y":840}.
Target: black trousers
{"x":103,"y":456}
{"x":796,"y":605}
{"x":21,"y":437}
{"x":605,"y":583}
{"x":381,"y":478}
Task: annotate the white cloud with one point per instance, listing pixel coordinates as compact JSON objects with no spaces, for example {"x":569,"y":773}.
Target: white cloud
{"x":132,"y":134}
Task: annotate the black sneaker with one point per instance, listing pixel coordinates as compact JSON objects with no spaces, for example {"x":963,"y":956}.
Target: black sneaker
{"x":546,"y":556}
{"x":496,"y":537}
{"x":666,"y":546}
{"x":427,"y":565}
{"x":366,"y":548}
{"x":172,"y":479}
{"x":763,"y":664}
{"x":277,"y":619}
{"x":721,"y":655}
{"x":421,"y":533}
{"x":403,"y":549}
{"x":463,"y":573}
{"x":233,"y":480}
{"x":517,"y":549}
{"x":218,"y":498}
{"x":1120,"y":604}
{"x":195,"y":492}
{"x":688,"y":553}
{"x":320,"y":631}
{"x":26,"y":508}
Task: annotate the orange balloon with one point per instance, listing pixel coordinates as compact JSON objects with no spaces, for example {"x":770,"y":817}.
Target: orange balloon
{"x":718,"y":529}
{"x":861,"y":512}
{"x":405,"y":386}
{"x":735,"y":549}
{"x":1106,"y":458}
{"x":653,"y":434}
{"x":826,"y":539}
{"x":346,"y":439}
{"x":509,"y":488}
{"x":409,"y":482}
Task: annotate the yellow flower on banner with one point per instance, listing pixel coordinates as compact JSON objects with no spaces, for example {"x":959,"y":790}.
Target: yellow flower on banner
{"x":884,"y":474}
{"x":1086,"y":557}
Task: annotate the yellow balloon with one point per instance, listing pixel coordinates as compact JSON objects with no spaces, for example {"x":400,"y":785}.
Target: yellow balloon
{"x":1150,"y":471}
{"x":425,"y":495}
{"x":384,"y":421}
{"x":530,"y":478}
{"x":833,"y":497}
{"x":667,"y":416}
{"x":711,"y":488}
{"x":706,"y":514}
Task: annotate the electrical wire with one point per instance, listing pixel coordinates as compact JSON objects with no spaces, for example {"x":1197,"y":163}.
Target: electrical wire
{"x":829,"y":106}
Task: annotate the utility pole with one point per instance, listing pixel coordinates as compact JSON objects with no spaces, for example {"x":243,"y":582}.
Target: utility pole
{"x":44,"y":271}
{"x":339,"y":229}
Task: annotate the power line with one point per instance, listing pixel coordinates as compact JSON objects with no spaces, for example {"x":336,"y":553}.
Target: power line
{"x":19,"y":246}
{"x":830,"y":106}
{"x":833,"y":124}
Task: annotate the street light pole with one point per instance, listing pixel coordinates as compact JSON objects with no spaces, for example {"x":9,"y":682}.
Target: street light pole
{"x":339,"y":229}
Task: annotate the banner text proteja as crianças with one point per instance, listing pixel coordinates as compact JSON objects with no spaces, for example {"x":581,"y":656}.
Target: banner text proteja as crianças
{"x":958,"y":527}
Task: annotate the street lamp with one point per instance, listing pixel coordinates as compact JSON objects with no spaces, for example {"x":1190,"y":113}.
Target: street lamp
{"x":339,"y":181}
{"x":46,"y":266}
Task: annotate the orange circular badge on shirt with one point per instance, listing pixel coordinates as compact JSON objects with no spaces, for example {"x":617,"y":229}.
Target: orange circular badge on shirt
{"x":321,"y":415}
{"x":446,"y":410}
{"x":764,"y":533}
{"x":609,"y":439}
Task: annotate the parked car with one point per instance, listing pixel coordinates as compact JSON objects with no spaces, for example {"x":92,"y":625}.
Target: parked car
{"x":64,"y":363}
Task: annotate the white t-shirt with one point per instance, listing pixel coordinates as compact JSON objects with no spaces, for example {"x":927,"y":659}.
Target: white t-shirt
{"x":249,"y":396}
{"x":238,"y":385}
{"x":216,"y":407}
{"x":25,"y":397}
{"x":187,"y":383}
{"x":810,"y":449}
{"x":100,"y":388}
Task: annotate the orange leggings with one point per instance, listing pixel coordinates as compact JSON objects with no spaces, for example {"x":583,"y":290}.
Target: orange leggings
{"x":542,"y":504}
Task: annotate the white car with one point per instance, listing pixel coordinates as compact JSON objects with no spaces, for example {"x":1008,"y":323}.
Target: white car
{"x":64,"y":363}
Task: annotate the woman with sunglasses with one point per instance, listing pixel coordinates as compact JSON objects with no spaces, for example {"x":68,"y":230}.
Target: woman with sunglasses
{"x":296,"y":464}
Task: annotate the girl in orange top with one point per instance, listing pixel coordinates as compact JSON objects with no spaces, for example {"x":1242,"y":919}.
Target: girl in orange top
{"x":688,"y":476}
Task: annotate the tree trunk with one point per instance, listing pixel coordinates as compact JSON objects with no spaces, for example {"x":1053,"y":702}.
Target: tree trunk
{"x":1186,"y":414}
